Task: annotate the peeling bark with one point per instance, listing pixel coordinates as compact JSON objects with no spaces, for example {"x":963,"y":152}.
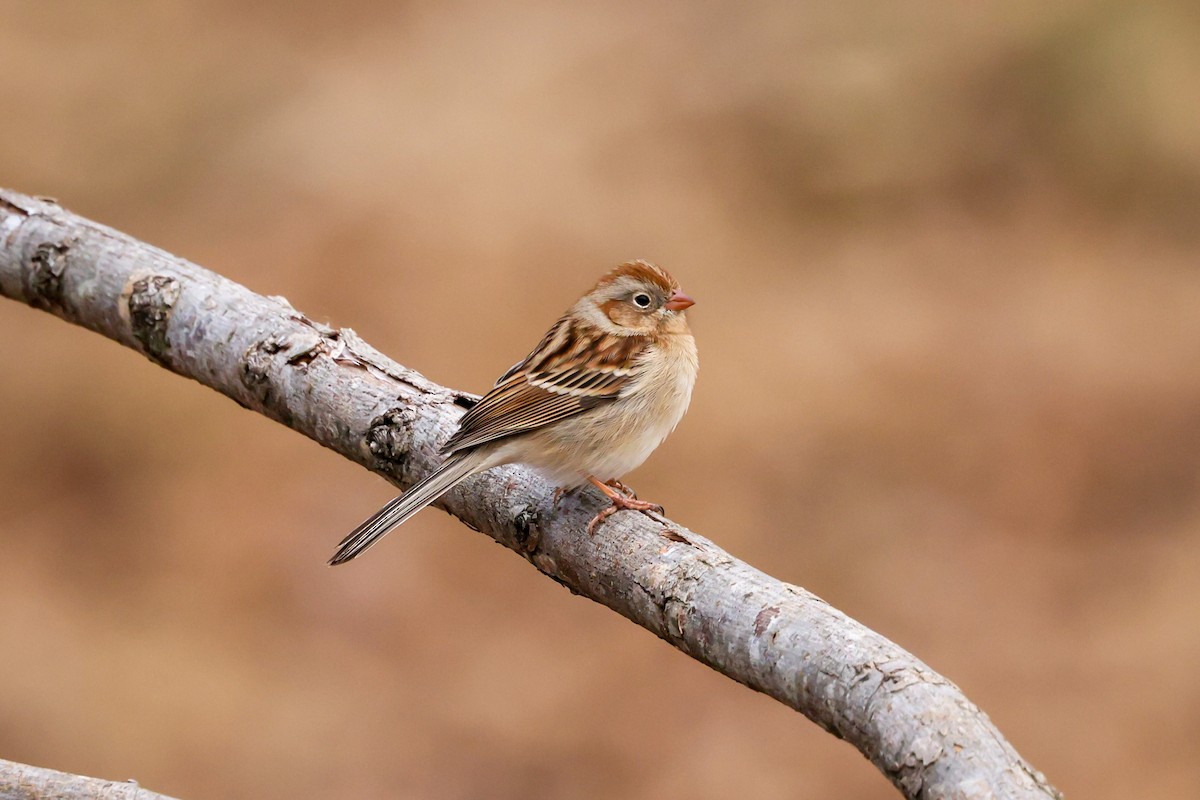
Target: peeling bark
{"x":913,"y":724}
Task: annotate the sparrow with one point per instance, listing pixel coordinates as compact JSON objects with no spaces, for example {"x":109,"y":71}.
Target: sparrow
{"x":605,"y":386}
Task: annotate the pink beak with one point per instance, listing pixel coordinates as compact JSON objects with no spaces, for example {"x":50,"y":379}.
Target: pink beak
{"x":678,"y":302}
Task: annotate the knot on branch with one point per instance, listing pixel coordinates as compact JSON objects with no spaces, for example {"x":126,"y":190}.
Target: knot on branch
{"x":389,"y":436}
{"x":44,"y":285}
{"x":256,"y":364}
{"x":149,"y":300}
{"x":525,"y":524}
{"x":265,"y":363}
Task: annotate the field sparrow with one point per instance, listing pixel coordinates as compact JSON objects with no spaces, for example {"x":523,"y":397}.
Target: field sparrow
{"x":602,"y":389}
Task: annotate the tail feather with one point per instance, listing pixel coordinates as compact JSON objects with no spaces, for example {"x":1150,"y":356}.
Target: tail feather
{"x":401,"y":508}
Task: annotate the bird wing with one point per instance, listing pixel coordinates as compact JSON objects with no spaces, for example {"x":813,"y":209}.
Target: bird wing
{"x":568,"y":372}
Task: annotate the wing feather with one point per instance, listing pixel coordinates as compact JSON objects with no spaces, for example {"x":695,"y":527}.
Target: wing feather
{"x":570,"y":371}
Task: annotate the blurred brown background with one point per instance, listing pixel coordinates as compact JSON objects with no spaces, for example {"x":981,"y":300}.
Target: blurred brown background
{"x":948,"y":269}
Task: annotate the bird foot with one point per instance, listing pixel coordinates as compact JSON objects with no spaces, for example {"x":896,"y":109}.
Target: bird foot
{"x":622,"y":488}
{"x":622,"y":499}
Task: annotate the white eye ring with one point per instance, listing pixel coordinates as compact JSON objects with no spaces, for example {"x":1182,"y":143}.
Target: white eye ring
{"x":642,"y":300}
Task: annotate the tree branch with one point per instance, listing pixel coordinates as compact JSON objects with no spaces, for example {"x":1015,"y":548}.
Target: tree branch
{"x":23,"y":782}
{"x":913,"y":724}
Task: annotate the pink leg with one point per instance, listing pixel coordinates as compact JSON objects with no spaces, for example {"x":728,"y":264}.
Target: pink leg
{"x":620,"y":501}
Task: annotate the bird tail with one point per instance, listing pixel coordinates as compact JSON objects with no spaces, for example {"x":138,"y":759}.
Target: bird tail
{"x":401,"y":508}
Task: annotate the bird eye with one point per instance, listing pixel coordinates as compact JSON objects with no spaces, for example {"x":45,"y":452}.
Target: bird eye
{"x":642,"y":300}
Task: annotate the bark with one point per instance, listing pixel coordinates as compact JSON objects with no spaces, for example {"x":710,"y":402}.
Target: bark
{"x":23,"y":782}
{"x":915,"y":725}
